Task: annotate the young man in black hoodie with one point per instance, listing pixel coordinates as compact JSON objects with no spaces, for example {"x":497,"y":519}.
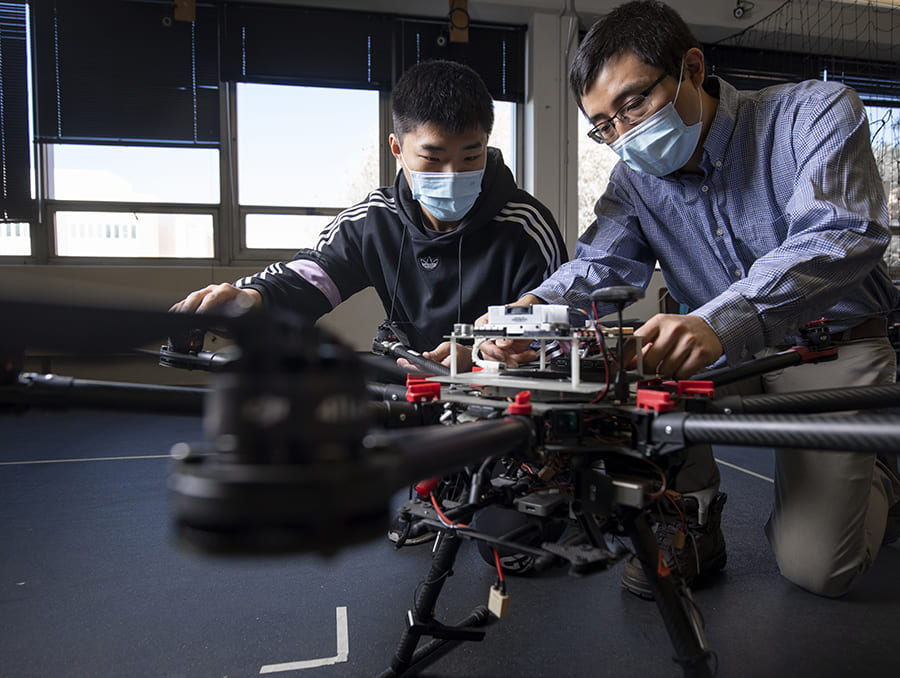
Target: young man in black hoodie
{"x":453,"y":235}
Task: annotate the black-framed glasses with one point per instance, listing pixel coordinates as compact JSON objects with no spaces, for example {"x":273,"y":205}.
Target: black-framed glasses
{"x":632,"y":111}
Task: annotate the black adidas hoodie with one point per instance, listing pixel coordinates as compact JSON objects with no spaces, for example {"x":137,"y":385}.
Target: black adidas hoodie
{"x":505,"y":245}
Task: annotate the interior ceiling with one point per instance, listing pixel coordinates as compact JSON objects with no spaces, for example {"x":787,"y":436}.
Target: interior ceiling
{"x":711,"y":20}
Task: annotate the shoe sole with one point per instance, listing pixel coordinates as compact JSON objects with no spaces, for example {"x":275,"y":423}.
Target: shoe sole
{"x":640,"y":587}
{"x":393,"y":537}
{"x":637,"y":587}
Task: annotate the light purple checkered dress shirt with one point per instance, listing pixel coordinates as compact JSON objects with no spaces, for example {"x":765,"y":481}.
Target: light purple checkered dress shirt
{"x":787,"y":222}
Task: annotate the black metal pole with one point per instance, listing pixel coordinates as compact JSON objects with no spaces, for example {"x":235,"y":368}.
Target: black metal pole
{"x":812,"y":402}
{"x":431,"y":450}
{"x":673,"y":600}
{"x":752,"y":368}
{"x":422,"y":614}
{"x":869,"y":432}
{"x":50,"y":390}
{"x":398,"y":350}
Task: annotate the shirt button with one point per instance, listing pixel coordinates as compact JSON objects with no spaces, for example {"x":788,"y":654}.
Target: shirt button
{"x":704,"y":188}
{"x":737,"y":273}
{"x":719,"y":231}
{"x":718,"y":163}
{"x":744,"y":353}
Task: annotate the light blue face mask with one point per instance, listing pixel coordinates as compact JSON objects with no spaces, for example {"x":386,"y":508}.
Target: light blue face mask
{"x":448,"y":196}
{"x":662,"y":143}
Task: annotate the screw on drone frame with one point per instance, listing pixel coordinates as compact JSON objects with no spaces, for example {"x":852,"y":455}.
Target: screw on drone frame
{"x":619,"y":296}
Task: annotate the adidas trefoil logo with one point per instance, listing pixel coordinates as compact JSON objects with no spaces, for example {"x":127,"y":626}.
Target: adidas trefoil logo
{"x":429,"y":263}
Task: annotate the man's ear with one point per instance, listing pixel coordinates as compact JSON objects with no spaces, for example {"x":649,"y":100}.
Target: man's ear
{"x":394,"y":142}
{"x":695,"y":66}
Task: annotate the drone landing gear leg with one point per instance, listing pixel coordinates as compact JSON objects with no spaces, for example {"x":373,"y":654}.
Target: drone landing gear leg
{"x":674,"y":602}
{"x":407,"y":661}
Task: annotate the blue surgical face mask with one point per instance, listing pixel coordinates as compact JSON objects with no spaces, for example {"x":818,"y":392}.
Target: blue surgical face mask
{"x":662,"y":143}
{"x":448,"y":196}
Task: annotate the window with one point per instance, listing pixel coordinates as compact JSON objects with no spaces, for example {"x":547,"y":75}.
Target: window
{"x":595,"y":163}
{"x":884,"y":126}
{"x":504,"y":136}
{"x":129,"y":140}
{"x":312,"y":149}
{"x":116,"y":175}
{"x":133,"y":234}
{"x":133,"y":174}
{"x":15,"y":238}
{"x":226,"y":137}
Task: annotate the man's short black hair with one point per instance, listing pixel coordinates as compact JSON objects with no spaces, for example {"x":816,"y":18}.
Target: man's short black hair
{"x":445,"y":93}
{"x":652,"y":30}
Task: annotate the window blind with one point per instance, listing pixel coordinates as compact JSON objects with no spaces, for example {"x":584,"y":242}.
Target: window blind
{"x":305,"y":46}
{"x":332,"y":48}
{"x":877,"y":82}
{"x":496,"y":53}
{"x":126,"y":72}
{"x":15,"y":181}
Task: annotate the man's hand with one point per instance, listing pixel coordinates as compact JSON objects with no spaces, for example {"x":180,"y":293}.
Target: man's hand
{"x":513,"y":352}
{"x":441,"y":354}
{"x":678,"y":345}
{"x":214,"y":296}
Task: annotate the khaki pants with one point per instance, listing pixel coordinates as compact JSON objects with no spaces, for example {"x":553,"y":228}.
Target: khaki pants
{"x":830,"y":507}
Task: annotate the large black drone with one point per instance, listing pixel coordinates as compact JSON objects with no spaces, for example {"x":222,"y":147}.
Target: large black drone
{"x":304,"y":453}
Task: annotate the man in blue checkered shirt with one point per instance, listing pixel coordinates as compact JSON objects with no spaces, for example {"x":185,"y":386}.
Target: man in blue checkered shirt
{"x":764,"y":211}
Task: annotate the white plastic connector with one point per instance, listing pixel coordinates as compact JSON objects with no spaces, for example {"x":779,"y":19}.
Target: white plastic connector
{"x":498,"y":602}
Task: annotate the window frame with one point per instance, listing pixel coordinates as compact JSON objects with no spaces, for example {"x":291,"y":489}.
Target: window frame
{"x":228,"y":216}
{"x":43,"y":233}
{"x":240,"y":252}
{"x":229,"y":244}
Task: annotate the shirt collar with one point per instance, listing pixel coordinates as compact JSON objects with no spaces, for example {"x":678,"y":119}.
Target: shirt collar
{"x":722,"y":127}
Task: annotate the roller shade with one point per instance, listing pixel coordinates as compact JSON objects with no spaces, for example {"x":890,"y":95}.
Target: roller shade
{"x":331,"y":48}
{"x":301,"y":46}
{"x":496,"y":53}
{"x":15,"y":181}
{"x":124,"y":71}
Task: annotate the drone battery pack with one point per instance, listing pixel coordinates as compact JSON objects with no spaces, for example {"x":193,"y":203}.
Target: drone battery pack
{"x":539,"y":503}
{"x":498,"y":602}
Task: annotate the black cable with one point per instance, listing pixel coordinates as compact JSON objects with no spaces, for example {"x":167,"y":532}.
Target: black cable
{"x":397,"y":279}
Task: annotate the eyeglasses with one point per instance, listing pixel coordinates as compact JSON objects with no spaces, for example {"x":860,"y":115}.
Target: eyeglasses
{"x":633,"y":111}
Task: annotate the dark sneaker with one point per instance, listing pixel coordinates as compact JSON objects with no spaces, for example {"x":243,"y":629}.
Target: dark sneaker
{"x":689,"y":549}
{"x":403,"y":531}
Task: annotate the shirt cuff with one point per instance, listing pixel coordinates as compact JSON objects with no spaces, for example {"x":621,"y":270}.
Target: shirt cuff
{"x":552,"y":293}
{"x":737,"y":324}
